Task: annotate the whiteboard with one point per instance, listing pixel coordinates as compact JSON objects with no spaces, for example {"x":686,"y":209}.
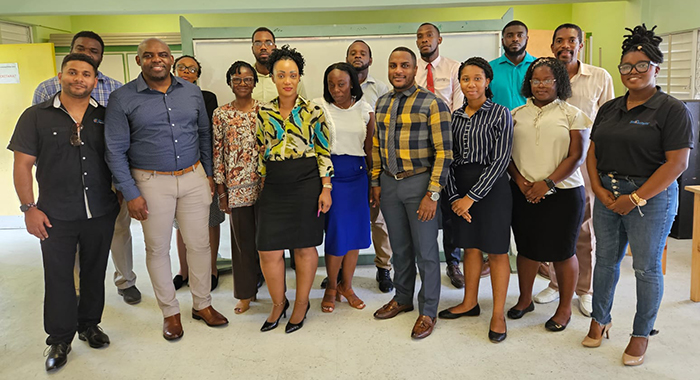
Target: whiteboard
{"x":112,"y":65}
{"x":217,"y":55}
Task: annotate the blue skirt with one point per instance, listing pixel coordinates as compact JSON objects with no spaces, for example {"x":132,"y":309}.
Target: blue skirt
{"x":347,"y":222}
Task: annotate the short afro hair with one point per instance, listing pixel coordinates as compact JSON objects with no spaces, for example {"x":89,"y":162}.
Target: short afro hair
{"x":236,"y":69}
{"x":285,"y":52}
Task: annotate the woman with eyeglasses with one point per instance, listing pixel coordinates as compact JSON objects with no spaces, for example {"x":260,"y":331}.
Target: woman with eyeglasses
{"x":235,"y":157}
{"x":296,"y":167}
{"x":549,"y":145}
{"x":639,"y":146}
{"x":189,"y":69}
{"x":351,"y":122}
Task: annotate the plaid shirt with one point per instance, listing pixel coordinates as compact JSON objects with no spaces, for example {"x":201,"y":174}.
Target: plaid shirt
{"x":105,"y":86}
{"x":423,"y":137}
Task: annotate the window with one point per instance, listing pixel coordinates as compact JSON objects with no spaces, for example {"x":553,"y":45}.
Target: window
{"x":679,"y":72}
{"x":14,"y":33}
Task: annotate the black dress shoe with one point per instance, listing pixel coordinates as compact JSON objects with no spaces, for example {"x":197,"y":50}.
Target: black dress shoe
{"x":261,"y":281}
{"x":551,"y":325}
{"x":497,"y":337}
{"x":57,"y":356}
{"x":324,"y":283}
{"x":514,"y":313}
{"x":447,"y":314}
{"x":131,"y":295}
{"x":95,"y":337}
{"x":292,"y":327}
{"x":384,"y":280}
{"x":214,"y":281}
{"x":179,"y":281}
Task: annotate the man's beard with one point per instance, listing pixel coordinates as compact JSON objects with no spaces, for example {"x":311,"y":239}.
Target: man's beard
{"x":428,"y":54}
{"x":361,"y":68}
{"x":516,"y":53}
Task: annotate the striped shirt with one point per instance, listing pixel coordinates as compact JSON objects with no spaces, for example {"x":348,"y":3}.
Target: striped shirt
{"x":105,"y":86}
{"x":304,"y":133}
{"x":422,"y":135}
{"x":485,"y":138}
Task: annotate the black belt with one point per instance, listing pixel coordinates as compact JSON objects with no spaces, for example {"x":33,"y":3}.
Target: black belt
{"x":408,"y":173}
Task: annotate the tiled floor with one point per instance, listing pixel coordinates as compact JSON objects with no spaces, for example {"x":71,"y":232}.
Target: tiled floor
{"x":347,"y":344}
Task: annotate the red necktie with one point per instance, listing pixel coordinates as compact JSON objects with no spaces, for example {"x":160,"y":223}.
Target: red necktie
{"x":431,"y":85}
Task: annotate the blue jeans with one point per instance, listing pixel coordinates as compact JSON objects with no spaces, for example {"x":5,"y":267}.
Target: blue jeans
{"x":646,"y":236}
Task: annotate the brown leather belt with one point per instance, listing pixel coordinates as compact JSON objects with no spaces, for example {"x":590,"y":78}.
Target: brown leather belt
{"x":175,"y":173}
{"x":408,"y":173}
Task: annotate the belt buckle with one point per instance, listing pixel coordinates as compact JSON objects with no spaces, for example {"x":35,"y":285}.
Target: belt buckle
{"x":396,"y":176}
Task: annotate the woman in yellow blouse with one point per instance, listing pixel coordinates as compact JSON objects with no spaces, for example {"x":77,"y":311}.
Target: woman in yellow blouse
{"x":296,"y":167}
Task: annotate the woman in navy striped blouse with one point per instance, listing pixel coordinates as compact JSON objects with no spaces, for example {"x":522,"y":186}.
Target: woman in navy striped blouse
{"x":478,"y":190}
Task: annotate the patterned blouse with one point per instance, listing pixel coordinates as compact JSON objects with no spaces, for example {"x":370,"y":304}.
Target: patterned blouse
{"x":236,"y":154}
{"x":303,"y":134}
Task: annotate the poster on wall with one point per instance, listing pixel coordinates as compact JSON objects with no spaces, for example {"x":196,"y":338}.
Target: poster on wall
{"x":9,"y":73}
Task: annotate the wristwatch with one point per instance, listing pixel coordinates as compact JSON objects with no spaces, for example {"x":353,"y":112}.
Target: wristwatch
{"x":639,"y":201}
{"x":434,"y":195}
{"x":549,"y":183}
{"x":25,"y":208}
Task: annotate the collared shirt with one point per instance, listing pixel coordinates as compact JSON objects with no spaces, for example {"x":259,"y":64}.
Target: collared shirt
{"x":541,"y":139}
{"x":105,"y":85}
{"x":634,"y":142}
{"x":508,"y":80}
{"x":151,"y":130}
{"x":236,"y":153}
{"x":303,"y":133}
{"x":445,"y":80}
{"x":74,"y":181}
{"x":265,"y":91}
{"x":422,"y":135}
{"x":372,"y":89}
{"x":591,"y":87}
{"x":485,"y":138}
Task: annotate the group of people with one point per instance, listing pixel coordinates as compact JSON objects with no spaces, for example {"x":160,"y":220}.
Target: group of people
{"x":479,"y":147}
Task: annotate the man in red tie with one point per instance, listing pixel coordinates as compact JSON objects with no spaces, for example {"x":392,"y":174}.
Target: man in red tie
{"x":439,"y":75}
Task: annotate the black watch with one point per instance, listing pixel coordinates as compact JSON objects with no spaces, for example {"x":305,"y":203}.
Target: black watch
{"x":25,"y":208}
{"x":549,"y":183}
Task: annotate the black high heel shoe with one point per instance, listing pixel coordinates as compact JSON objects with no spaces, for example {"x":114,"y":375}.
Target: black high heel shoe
{"x":292,"y":327}
{"x":267,"y":326}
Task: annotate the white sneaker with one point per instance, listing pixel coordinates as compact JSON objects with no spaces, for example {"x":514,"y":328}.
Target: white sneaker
{"x":585,"y":304}
{"x":547,"y":295}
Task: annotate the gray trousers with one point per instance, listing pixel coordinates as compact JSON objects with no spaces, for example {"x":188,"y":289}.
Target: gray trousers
{"x":412,"y":241}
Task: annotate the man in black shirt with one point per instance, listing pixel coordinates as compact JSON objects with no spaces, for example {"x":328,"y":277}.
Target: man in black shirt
{"x":64,"y":138}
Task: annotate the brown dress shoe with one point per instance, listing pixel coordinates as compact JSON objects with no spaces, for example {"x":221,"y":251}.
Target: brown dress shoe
{"x":391,"y":309}
{"x":172,"y":328}
{"x":210,"y":316}
{"x":485,"y":269}
{"x":455,"y":275}
{"x":424,"y":326}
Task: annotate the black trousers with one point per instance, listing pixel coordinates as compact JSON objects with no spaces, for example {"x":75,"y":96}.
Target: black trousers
{"x":62,"y":318}
{"x":452,"y":254}
{"x":244,"y":253}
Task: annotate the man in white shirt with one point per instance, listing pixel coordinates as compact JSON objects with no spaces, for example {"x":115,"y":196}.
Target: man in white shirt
{"x":359,"y":55}
{"x":263,"y":45}
{"x":591,"y":87}
{"x":440,"y":76}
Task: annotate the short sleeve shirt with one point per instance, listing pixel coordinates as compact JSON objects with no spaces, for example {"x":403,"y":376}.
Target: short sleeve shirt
{"x":635,"y":142}
{"x":508,"y":81}
{"x":541,"y":139}
{"x":348,"y":127}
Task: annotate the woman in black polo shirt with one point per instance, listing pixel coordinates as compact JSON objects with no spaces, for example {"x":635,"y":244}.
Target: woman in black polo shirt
{"x":640,"y":146}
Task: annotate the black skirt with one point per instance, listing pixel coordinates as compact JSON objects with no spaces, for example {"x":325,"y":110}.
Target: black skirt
{"x":288,"y":206}
{"x":548,"y":231}
{"x":489,"y":230}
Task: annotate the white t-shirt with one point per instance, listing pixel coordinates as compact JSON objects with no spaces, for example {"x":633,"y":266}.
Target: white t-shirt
{"x":541,"y":139}
{"x":348,"y":127}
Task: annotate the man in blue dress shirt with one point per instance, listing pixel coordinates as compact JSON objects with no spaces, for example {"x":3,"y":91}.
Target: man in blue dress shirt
{"x":159,"y":150}
{"x":509,"y":69}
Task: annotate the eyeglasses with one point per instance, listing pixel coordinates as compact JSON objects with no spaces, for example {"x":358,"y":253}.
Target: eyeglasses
{"x":546,"y":82}
{"x":267,"y":43}
{"x":191,"y":70}
{"x":247,"y":80}
{"x":641,"y":67}
{"x":75,"y":136}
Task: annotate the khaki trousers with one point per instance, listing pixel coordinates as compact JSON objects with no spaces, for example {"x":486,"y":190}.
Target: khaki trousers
{"x":380,"y":239}
{"x":187,"y":198}
{"x":122,"y":250}
{"x":585,"y":246}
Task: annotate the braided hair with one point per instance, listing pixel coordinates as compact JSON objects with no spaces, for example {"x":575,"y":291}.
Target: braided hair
{"x":482,"y":64}
{"x":561,"y":76}
{"x":644,"y":40}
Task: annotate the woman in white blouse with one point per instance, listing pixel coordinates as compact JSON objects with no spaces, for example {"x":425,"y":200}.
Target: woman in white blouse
{"x":351,"y":122}
{"x":549,"y":145}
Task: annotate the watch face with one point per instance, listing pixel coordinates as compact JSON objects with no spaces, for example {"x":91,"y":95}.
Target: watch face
{"x":435,"y":196}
